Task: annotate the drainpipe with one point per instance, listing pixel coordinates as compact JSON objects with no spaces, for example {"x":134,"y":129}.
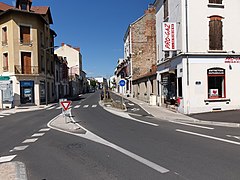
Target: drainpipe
{"x":187,"y":58}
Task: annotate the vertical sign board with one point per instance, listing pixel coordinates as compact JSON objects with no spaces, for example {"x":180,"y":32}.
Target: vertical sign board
{"x":122,"y":83}
{"x":169,"y":36}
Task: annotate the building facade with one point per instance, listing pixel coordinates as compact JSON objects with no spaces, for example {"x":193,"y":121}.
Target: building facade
{"x":26,"y":53}
{"x":198,"y":54}
{"x":140,"y":55}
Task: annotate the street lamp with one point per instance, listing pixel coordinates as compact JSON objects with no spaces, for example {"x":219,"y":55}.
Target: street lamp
{"x":46,"y":89}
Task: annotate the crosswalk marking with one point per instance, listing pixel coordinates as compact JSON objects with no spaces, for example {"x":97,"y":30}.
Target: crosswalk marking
{"x":19,"y":148}
{"x":44,"y":130}
{"x":85,"y":106}
{"x":7,"y":158}
{"x":94,"y":106}
{"x":37,"y":134}
{"x":130,"y":104}
{"x":30,"y":140}
{"x":77,"y":106}
{"x":50,"y":108}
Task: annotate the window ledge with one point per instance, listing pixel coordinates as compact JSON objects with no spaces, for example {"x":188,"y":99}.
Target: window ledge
{"x":216,"y":51}
{"x":217,"y":100}
{"x":213,"y":5}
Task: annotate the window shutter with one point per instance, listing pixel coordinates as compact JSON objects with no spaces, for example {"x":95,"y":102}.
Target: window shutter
{"x":215,"y":34}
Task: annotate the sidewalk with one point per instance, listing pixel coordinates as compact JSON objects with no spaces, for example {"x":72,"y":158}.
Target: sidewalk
{"x":213,"y":118}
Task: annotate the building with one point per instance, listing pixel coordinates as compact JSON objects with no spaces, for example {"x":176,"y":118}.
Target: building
{"x":74,"y":59}
{"x":123,"y":72}
{"x":26,"y":53}
{"x":140,"y":56}
{"x":198,"y":54}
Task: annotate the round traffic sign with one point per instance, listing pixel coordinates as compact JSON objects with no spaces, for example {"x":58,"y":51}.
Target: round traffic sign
{"x":122,"y":82}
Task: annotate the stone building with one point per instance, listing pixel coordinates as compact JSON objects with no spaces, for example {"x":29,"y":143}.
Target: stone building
{"x":140,"y":55}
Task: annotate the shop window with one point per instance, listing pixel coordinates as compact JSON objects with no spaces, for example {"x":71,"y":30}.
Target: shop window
{"x":215,"y":1}
{"x":216,"y":83}
{"x":5,"y":62}
{"x":215,"y":33}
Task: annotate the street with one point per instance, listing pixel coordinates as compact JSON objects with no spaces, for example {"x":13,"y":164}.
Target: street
{"x":116,"y":145}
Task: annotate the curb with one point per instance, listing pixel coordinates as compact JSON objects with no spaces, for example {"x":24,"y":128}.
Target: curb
{"x":13,"y":171}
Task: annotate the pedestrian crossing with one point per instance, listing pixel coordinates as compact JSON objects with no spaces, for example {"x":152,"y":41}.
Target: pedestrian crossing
{"x":86,"y":106}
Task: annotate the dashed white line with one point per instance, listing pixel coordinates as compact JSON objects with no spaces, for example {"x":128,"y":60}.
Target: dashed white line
{"x":19,"y":148}
{"x":193,"y":125}
{"x":37,"y":134}
{"x":2,"y":116}
{"x":44,"y":130}
{"x":85,"y":106}
{"x":30,"y":140}
{"x":130,"y":104}
{"x":7,"y":158}
{"x":94,"y":106}
{"x":77,"y":106}
{"x":207,"y":136}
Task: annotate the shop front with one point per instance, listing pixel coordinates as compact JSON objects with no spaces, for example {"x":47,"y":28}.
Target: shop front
{"x":27,"y":92}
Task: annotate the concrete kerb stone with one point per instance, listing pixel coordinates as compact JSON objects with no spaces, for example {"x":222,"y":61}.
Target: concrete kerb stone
{"x":13,"y":171}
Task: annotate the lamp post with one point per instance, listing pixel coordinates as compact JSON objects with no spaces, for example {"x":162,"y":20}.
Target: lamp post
{"x":46,"y":87}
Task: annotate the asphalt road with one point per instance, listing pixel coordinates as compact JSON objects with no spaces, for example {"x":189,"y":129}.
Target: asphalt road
{"x":138,"y":147}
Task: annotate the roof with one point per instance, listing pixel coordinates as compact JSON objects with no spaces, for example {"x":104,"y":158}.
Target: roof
{"x":41,"y":10}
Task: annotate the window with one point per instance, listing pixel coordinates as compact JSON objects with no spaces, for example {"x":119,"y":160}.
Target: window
{"x":180,"y":87}
{"x":26,"y":62}
{"x":25,"y":35}
{"x":215,"y":1}
{"x":5,"y":62}
{"x":4,"y":36}
{"x":216,"y":83}
{"x":24,"y":6}
{"x":215,"y":33}
{"x":165,"y":7}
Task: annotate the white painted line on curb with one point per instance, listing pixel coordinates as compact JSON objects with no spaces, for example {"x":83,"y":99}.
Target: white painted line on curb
{"x":5,"y":114}
{"x":37,"y":134}
{"x":44,"y":130}
{"x":209,"y":137}
{"x":30,"y":140}
{"x":93,"y":137}
{"x":19,"y":148}
{"x":7,"y":158}
{"x":193,"y":125}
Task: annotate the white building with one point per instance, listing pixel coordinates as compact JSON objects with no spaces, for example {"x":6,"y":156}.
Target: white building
{"x":74,"y":59}
{"x":202,"y":66}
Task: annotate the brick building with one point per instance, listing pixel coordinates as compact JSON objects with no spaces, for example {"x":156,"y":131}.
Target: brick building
{"x":140,"y":53}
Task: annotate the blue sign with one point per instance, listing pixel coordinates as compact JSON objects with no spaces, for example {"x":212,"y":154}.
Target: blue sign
{"x":122,"y":82}
{"x":26,"y":83}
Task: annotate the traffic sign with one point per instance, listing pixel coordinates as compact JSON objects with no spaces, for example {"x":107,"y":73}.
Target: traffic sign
{"x":122,"y":82}
{"x":66,"y":104}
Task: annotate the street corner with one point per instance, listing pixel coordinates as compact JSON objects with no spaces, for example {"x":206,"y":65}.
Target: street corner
{"x":65,"y":124}
{"x":13,"y":170}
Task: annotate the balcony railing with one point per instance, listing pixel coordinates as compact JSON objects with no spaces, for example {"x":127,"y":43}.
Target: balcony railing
{"x":26,"y":69}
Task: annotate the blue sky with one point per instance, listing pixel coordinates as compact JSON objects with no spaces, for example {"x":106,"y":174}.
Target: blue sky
{"x":96,"y":26}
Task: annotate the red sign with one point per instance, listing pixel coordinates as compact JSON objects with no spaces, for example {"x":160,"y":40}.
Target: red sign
{"x":169,"y":36}
{"x":66,"y":104}
{"x":232,"y":60}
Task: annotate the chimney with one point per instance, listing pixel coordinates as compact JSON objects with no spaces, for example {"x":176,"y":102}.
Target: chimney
{"x":24,"y":5}
{"x":62,"y":44}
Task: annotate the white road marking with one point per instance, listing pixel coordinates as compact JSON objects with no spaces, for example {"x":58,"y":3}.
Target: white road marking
{"x":59,"y":108}
{"x":44,"y":130}
{"x":236,"y":137}
{"x":2,"y":116}
{"x":130,"y":104}
{"x":193,"y":125}
{"x":30,"y":140}
{"x":77,"y":106}
{"x":85,"y":106}
{"x":19,"y":148}
{"x":37,"y":134}
{"x":91,"y":136}
{"x":51,"y":108}
{"x":5,"y":114}
{"x":7,"y":158}
{"x":94,"y":106}
{"x":209,"y":137}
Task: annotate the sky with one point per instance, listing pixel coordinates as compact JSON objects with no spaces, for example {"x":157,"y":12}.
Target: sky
{"x":96,"y":26}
